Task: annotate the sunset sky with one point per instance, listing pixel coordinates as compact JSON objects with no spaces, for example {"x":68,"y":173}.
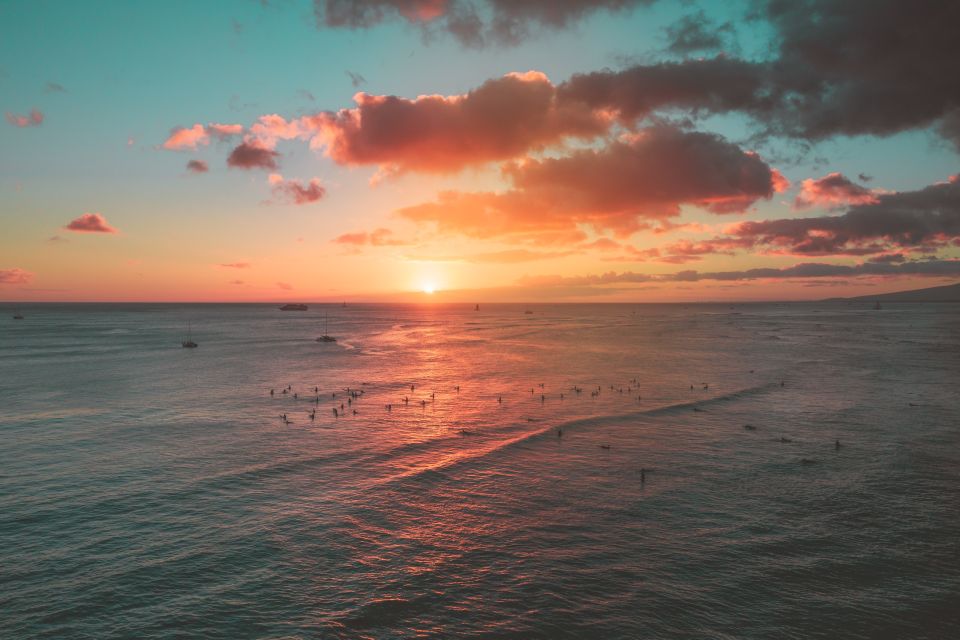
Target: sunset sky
{"x":491,"y":150}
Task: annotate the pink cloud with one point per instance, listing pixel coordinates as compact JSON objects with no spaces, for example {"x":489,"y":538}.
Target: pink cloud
{"x":832,"y":191}
{"x":187,"y":138}
{"x":34,"y":119}
{"x":15,"y":276}
{"x":235,"y":265}
{"x":90,"y":223}
{"x":376,"y":238}
{"x":192,"y":137}
{"x":198,"y":166}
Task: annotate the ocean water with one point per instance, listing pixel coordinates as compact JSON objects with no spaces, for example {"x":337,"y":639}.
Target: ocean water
{"x":150,"y":491}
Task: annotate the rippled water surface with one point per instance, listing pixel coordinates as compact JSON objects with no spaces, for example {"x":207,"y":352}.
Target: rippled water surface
{"x":152,"y":491}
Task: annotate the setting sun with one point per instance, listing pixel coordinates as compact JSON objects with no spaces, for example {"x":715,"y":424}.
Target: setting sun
{"x":428,"y":288}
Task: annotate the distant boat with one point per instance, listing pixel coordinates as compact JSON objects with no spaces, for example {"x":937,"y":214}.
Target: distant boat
{"x":17,"y":315}
{"x":293,"y":307}
{"x":876,"y":306}
{"x":528,"y":312}
{"x":326,"y":337}
{"x":189,"y":343}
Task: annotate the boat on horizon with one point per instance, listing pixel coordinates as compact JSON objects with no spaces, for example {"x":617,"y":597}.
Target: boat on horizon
{"x":17,"y":315}
{"x":876,"y":306}
{"x":293,"y":307}
{"x":189,"y":343}
{"x":326,"y":337}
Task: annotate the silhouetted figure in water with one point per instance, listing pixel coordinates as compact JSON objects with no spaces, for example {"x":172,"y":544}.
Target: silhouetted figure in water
{"x":423,"y":404}
{"x":543,"y":398}
{"x":406,"y":400}
{"x":411,"y":388}
{"x":285,"y":392}
{"x":781,"y":383}
{"x":559,"y":433}
{"x":643,"y":475}
{"x":561,"y":396}
{"x":336,"y":414}
{"x":354,"y":412}
{"x":271,"y":392}
{"x":499,"y":399}
{"x":836,"y":445}
{"x":433,"y":396}
{"x":294,"y":396}
{"x":389,"y":407}
{"x":691,"y":387}
{"x":785,"y":440}
{"x":639,"y":398}
{"x":457,"y":388}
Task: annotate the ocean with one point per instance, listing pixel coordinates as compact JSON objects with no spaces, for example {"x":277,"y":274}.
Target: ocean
{"x":580,"y":471}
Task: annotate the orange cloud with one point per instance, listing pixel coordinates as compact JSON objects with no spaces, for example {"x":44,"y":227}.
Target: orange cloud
{"x":235,"y":265}
{"x":90,"y":223}
{"x":618,"y":188}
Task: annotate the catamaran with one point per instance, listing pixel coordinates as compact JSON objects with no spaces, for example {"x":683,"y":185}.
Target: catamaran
{"x":326,"y":337}
{"x":189,"y":343}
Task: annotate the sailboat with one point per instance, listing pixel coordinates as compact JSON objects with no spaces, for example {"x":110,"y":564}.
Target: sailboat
{"x":326,"y":337}
{"x":189,"y":343}
{"x":17,"y":315}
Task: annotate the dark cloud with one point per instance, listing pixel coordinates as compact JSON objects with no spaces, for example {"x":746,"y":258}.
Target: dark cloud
{"x":923,"y":220}
{"x":839,"y":67}
{"x":933,"y":268}
{"x":197,"y":166}
{"x":695,"y":32}
{"x":356,"y":79}
{"x":295,"y":192}
{"x":713,"y":85}
{"x":248,"y":155}
{"x":474,"y":23}
{"x":54,"y":87}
